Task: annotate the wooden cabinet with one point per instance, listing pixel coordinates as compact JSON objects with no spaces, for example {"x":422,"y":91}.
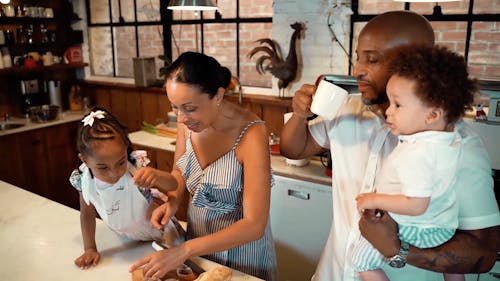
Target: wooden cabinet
{"x":11,"y":166}
{"x":41,"y":161}
{"x":131,"y":105}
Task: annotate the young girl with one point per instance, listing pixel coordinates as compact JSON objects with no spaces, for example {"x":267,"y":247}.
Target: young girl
{"x":107,"y":187}
{"x":428,"y":92}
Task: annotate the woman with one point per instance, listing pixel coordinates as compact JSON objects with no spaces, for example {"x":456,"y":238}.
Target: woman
{"x":222,"y":161}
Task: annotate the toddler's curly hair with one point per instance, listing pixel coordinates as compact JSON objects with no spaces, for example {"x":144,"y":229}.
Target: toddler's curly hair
{"x":441,"y":77}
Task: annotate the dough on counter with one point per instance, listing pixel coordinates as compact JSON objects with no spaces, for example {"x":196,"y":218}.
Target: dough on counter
{"x":216,"y":274}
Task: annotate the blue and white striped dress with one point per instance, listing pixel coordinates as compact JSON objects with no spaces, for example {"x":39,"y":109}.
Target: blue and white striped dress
{"x":215,"y":203}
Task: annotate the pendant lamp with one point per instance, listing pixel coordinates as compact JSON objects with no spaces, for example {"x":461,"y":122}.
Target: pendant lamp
{"x":192,"y":5}
{"x":437,"y":8}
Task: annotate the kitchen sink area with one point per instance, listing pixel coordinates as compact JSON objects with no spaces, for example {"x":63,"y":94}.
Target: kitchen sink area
{"x":17,"y":124}
{"x":10,"y":125}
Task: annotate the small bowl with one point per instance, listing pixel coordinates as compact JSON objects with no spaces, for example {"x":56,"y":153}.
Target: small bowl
{"x":43,"y":113}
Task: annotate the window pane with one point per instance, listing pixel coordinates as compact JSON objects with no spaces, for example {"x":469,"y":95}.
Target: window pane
{"x":378,"y":6}
{"x":101,"y":60}
{"x":486,"y":7}
{"x":249,"y":32}
{"x":255,"y":9}
{"x":99,"y":11}
{"x":185,"y":38}
{"x":123,"y":9}
{"x":148,"y":10}
{"x":124,"y":50}
{"x":450,"y":34}
{"x":220,"y":43}
{"x":484,"y":58}
{"x":150,"y":44}
{"x":455,"y":7}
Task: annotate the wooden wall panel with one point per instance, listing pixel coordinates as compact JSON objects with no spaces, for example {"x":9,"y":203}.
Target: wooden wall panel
{"x":134,"y":112}
{"x":133,"y":105}
{"x":101,"y":97}
{"x":119,"y":106}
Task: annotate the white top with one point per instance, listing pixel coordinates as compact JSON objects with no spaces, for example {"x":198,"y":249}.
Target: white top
{"x":351,"y":137}
{"x":424,"y":165}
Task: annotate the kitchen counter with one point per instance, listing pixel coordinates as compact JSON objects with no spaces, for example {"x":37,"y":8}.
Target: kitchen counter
{"x":65,"y":117}
{"x":41,"y":238}
{"x":314,"y":171}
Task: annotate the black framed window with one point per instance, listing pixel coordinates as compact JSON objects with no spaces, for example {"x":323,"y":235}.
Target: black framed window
{"x":122,"y":29}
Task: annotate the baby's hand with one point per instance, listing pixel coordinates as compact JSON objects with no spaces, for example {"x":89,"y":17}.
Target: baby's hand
{"x":146,"y":177}
{"x":365,"y":201}
{"x":89,"y":258}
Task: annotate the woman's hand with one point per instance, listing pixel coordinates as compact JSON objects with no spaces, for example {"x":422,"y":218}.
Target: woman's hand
{"x":89,"y":258}
{"x":157,"y":264}
{"x":146,"y":177}
{"x":162,"y":214}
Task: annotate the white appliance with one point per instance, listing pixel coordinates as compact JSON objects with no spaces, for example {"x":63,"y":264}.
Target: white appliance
{"x":301,"y":216}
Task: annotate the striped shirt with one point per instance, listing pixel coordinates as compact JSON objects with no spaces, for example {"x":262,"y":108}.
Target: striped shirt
{"x":215,"y":203}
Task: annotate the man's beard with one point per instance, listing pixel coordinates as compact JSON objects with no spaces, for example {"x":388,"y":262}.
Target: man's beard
{"x":381,"y":99}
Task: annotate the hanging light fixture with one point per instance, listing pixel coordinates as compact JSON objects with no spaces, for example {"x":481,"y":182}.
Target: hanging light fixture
{"x":192,"y":5}
{"x":437,"y":8}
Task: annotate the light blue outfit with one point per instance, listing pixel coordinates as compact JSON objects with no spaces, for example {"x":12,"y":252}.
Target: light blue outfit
{"x":422,"y":165}
{"x":216,"y":195}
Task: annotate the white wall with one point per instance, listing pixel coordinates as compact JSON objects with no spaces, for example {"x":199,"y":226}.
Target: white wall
{"x":318,"y":53}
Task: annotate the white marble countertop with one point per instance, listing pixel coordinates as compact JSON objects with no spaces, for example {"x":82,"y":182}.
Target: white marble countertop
{"x":314,"y":171}
{"x":64,"y":117}
{"x":40,"y":239}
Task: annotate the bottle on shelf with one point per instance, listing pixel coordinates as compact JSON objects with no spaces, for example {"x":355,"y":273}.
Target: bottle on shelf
{"x":29,"y":34}
{"x":6,"y":59}
{"x":43,"y":32}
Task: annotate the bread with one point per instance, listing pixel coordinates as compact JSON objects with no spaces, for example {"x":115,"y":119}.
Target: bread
{"x":137,"y":275}
{"x":216,"y":274}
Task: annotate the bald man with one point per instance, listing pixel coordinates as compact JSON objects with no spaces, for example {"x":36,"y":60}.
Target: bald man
{"x":359,"y":144}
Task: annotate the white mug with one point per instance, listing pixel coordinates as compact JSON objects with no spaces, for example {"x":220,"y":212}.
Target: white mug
{"x":328,"y":99}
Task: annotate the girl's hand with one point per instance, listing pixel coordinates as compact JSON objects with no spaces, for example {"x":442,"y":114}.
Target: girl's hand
{"x":157,"y":264}
{"x":366,"y":201}
{"x":89,"y":258}
{"x":146,"y":177}
{"x":162,"y":214}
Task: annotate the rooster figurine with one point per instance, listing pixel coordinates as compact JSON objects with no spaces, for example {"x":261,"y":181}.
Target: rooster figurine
{"x":284,"y":70}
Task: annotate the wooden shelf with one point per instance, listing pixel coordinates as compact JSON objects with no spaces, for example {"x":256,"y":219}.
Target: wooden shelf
{"x":25,"y":20}
{"x":54,"y":67}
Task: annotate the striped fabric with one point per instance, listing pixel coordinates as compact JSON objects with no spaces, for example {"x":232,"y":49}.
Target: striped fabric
{"x":425,"y":237}
{"x":365,"y":257}
{"x":216,"y":194}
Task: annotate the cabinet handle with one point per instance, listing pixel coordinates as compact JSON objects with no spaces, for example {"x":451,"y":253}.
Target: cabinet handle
{"x":496,"y":275}
{"x":299,"y":194}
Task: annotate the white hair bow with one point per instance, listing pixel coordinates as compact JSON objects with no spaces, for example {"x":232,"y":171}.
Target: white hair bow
{"x":89,"y":119}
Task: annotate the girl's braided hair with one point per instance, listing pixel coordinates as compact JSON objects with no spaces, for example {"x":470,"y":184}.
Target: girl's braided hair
{"x":106,"y":128}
